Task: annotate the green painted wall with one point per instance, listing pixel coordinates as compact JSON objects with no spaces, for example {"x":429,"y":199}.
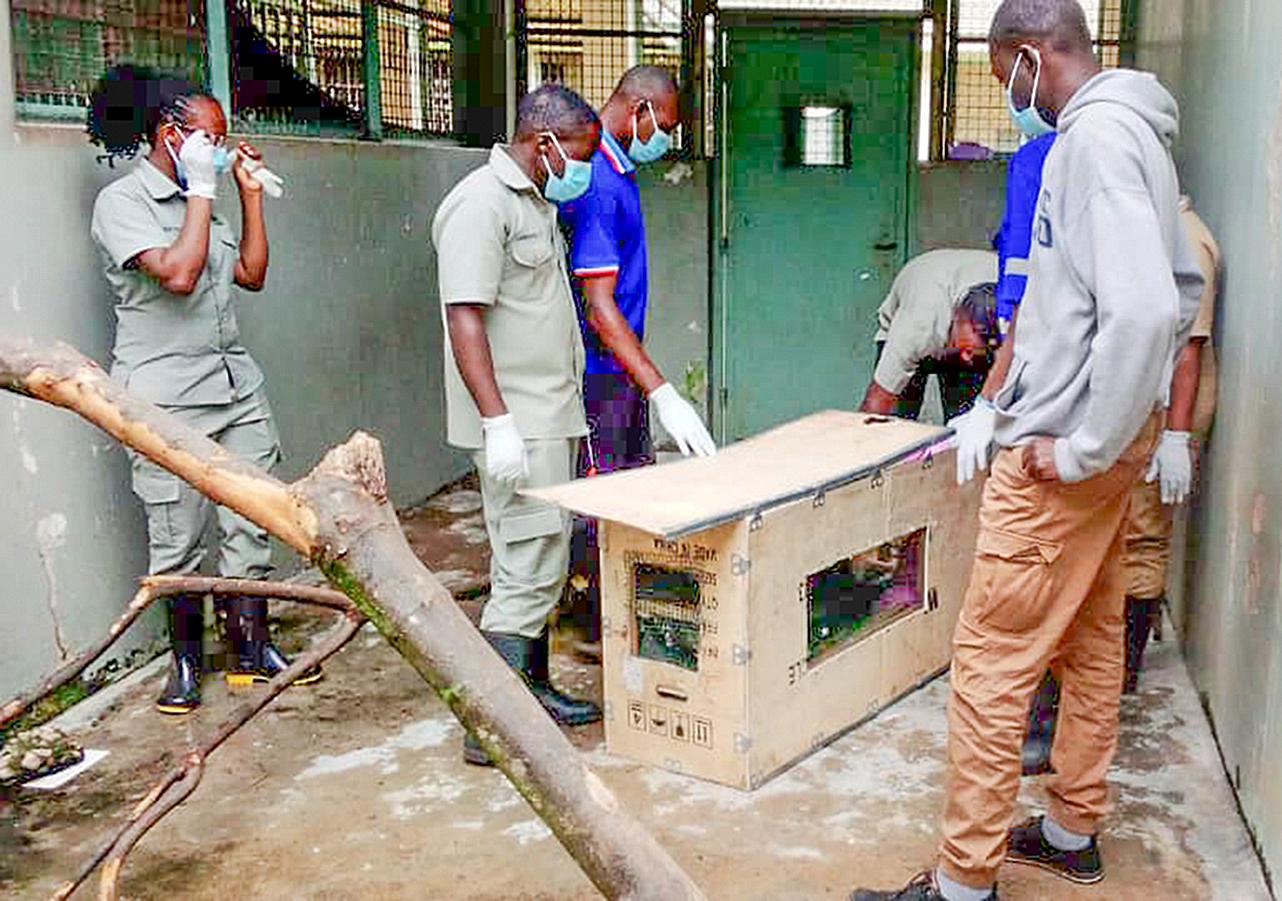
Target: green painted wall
{"x":1220,"y":59}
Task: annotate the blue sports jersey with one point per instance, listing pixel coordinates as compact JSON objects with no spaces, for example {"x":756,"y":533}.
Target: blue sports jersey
{"x":607,"y":237}
{"x":1015,"y":237}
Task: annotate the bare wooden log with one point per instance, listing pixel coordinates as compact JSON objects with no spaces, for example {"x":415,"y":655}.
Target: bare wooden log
{"x":180,"y":782}
{"x":339,"y":517}
{"x":154,"y":587}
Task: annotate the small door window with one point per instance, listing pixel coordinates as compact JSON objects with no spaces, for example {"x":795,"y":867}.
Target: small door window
{"x":817,"y":136}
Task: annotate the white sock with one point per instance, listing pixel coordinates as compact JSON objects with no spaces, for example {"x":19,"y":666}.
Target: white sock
{"x":1061,"y":838}
{"x":953,"y":890}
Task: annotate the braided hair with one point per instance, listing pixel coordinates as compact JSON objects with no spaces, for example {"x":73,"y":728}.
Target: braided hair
{"x":130,"y":103}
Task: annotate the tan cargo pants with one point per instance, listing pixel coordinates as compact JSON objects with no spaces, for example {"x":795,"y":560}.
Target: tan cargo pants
{"x":1046,"y":588}
{"x":1148,"y":542}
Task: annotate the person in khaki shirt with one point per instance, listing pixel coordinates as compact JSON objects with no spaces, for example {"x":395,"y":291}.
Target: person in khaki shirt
{"x":1170,"y":477}
{"x":939,"y":318}
{"x":514,"y":369}
{"x":171,"y":263}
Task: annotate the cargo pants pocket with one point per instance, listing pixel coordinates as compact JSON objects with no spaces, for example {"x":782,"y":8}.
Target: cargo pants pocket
{"x":1013,"y":580}
{"x":159,"y":490}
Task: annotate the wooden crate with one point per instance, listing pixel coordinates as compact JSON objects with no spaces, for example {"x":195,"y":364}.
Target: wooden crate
{"x":723,"y":657}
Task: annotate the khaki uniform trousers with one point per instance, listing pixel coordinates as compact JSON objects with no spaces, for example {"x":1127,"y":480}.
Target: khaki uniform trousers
{"x":529,"y":541}
{"x":1046,"y":589}
{"x":1148,"y":542}
{"x":178,"y":514}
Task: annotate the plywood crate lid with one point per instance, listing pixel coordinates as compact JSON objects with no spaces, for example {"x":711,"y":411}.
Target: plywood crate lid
{"x":809,"y":455}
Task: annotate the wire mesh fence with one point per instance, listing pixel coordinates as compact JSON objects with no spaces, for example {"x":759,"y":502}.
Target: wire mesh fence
{"x":587,"y":45}
{"x":978,"y":107}
{"x":62,"y":47}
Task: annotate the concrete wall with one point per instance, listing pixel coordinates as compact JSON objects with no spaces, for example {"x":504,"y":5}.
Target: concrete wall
{"x":959,"y":204}
{"x":348,"y":332}
{"x":674,"y":198}
{"x":1219,"y":58}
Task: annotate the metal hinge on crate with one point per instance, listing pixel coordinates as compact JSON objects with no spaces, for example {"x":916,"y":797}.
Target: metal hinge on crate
{"x":739,"y":566}
{"x":739,"y":655}
{"x":742,"y":743}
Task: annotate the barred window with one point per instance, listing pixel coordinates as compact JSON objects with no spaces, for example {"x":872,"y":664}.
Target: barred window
{"x":61,"y":47}
{"x":977,"y":108}
{"x":588,"y":44}
{"x":300,"y":63}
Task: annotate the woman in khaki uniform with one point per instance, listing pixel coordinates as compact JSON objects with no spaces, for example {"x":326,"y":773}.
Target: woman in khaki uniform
{"x":171,"y":262}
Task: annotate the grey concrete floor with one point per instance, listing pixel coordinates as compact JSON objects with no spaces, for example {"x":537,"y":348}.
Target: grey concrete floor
{"x":354,"y":788}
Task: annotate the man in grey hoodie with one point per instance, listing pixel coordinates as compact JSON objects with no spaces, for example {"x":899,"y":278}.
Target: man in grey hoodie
{"x":1075,"y":408}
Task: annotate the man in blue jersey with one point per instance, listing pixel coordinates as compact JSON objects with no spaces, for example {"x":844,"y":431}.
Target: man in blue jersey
{"x":608,"y":262}
{"x":1015,"y":237}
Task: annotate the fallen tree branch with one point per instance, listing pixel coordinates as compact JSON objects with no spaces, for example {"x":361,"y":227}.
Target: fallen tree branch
{"x":180,"y":782}
{"x":340,"y":518}
{"x":154,"y":587}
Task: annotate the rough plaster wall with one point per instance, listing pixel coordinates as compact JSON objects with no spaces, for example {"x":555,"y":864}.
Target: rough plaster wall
{"x":959,"y":204}
{"x":674,"y":199}
{"x":347,"y":330}
{"x":1219,"y":57}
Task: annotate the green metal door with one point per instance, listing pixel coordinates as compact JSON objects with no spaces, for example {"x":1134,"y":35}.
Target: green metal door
{"x":811,"y":212}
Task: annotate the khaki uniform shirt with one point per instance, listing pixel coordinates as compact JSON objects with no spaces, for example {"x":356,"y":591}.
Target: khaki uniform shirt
{"x":917,"y":315}
{"x":1208,"y":253}
{"x":171,"y":349}
{"x":498,"y":245}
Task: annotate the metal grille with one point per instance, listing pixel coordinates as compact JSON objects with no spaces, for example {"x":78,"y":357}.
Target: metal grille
{"x":62,"y":47}
{"x":588,"y":44}
{"x":416,"y":66}
{"x":318,"y":46}
{"x":977,"y":107}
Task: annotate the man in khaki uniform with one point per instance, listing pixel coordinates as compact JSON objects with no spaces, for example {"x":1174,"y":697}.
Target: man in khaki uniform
{"x":938,"y":319}
{"x":1148,"y":534}
{"x":1112,"y":294}
{"x":514,"y":369}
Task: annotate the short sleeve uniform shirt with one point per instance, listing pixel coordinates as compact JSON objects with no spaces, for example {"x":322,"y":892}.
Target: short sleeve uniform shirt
{"x":171,"y":349}
{"x":917,"y":315}
{"x":1015,"y":238}
{"x":498,"y":246}
{"x":607,"y":237}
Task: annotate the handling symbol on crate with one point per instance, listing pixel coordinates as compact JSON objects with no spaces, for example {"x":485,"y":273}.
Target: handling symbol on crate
{"x":636,"y":715}
{"x":680,"y":726}
{"x":701,"y":731}
{"x":658,"y":719}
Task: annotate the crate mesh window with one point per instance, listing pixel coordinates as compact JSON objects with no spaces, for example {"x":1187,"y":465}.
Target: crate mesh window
{"x":299,"y":63}
{"x":588,"y":44}
{"x":62,"y":47}
{"x":978,"y":103}
{"x":863,"y":594}
{"x":668,"y":606}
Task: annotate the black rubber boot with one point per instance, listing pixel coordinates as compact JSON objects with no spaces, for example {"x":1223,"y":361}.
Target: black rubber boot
{"x":257,"y":659}
{"x":1140,"y":613}
{"x":529,"y":657}
{"x":564,"y":709}
{"x":1042,"y":714}
{"x":186,"y":625}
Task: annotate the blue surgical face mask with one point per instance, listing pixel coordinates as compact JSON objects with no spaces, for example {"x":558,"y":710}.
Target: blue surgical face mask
{"x":222,"y":162}
{"x":570,"y":184}
{"x":653,"y":149}
{"x":1028,"y":120}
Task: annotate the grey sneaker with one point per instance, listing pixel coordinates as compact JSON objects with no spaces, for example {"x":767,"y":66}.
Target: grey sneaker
{"x":1028,"y":845}
{"x":922,"y":888}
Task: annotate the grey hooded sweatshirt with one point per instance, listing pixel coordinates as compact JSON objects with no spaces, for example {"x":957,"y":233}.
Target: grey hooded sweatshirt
{"x":1114,"y":282}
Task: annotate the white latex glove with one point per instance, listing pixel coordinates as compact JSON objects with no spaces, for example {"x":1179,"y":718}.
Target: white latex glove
{"x":974,"y":430}
{"x":1173,"y":464}
{"x":505,"y":457}
{"x":682,"y":421}
{"x":197,"y":156}
{"x":273,"y":184}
